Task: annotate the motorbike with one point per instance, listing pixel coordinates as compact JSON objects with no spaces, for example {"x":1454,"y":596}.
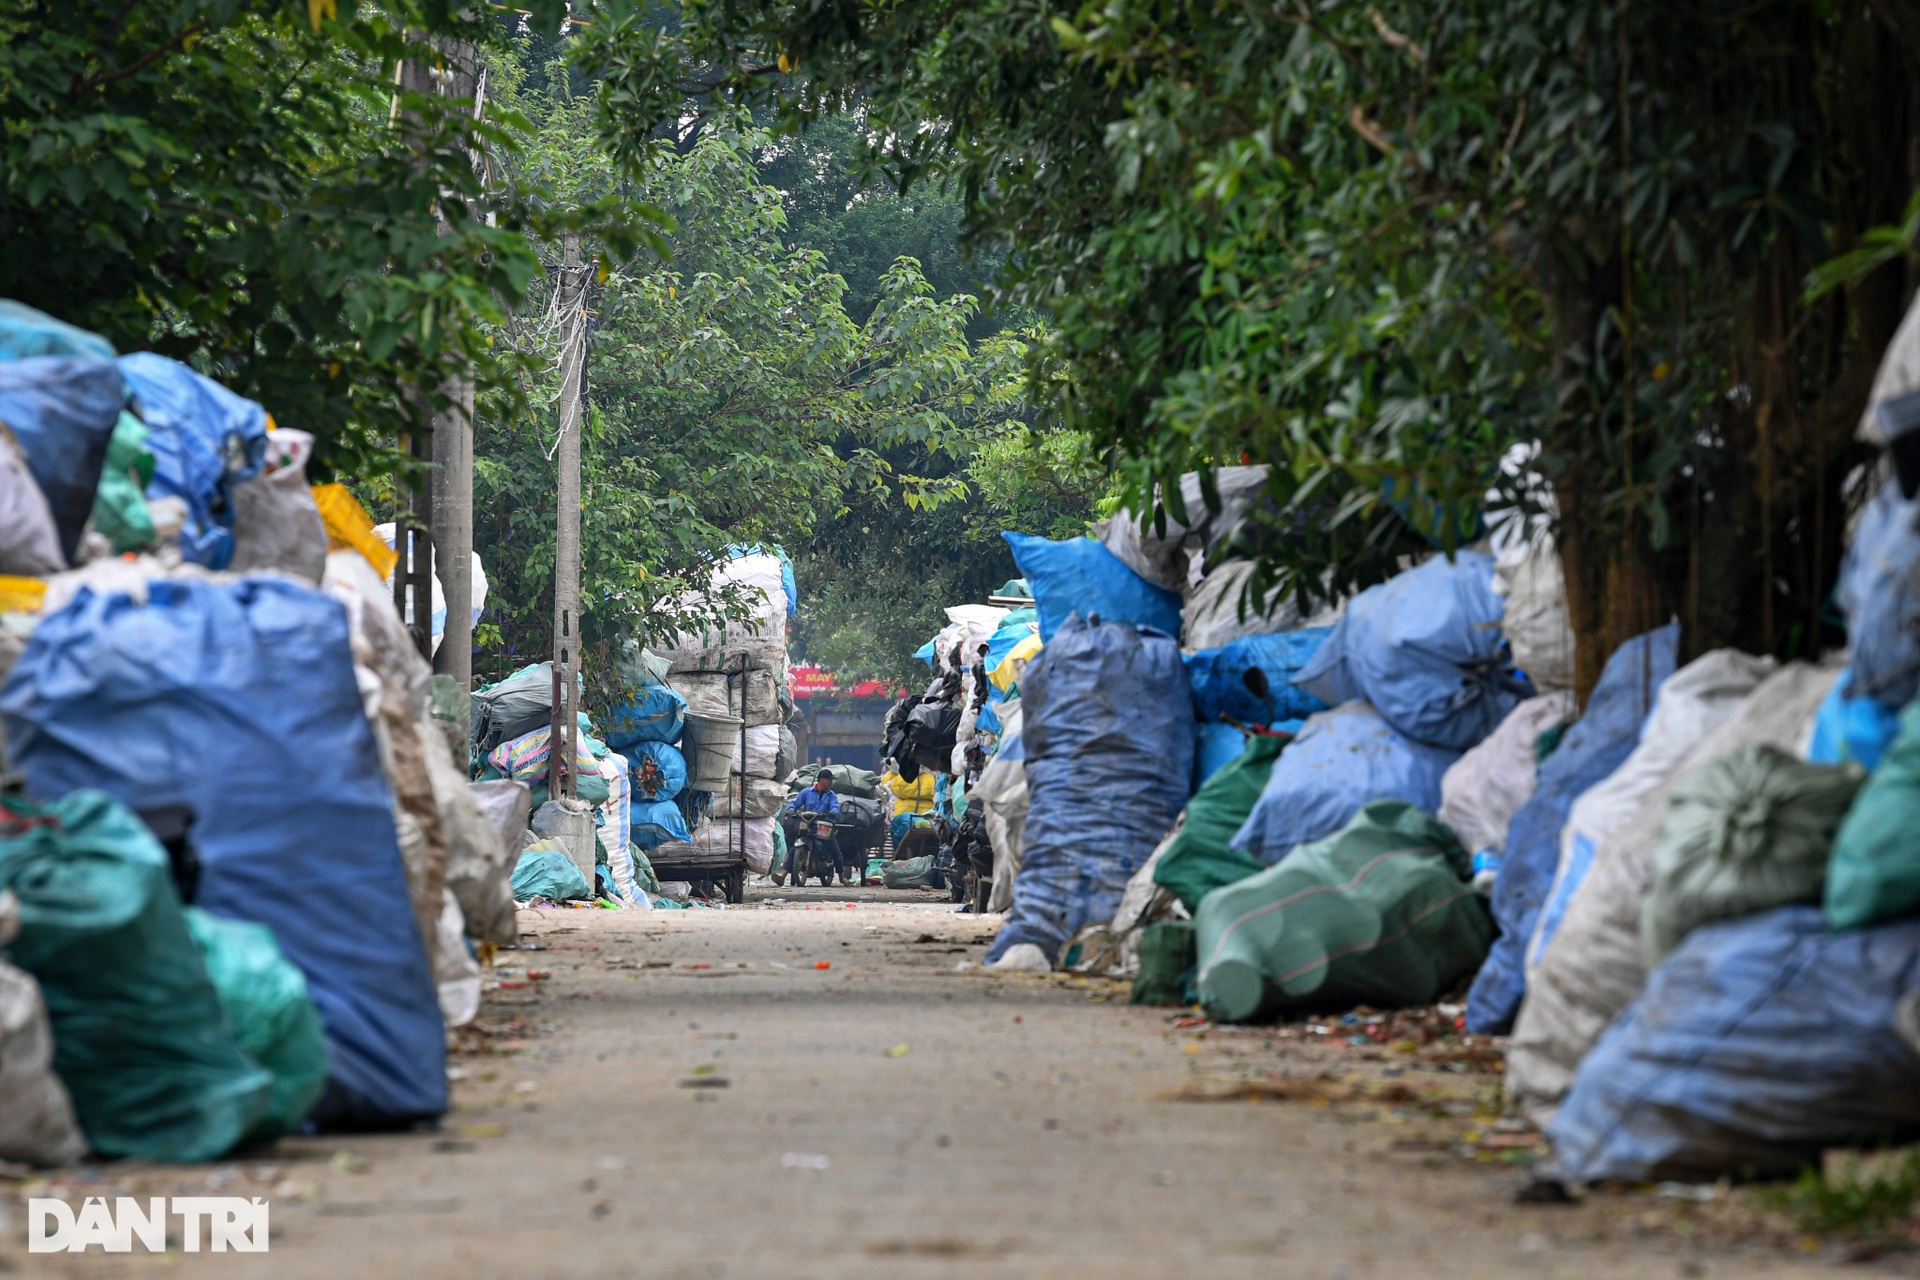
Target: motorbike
{"x":811,"y":842}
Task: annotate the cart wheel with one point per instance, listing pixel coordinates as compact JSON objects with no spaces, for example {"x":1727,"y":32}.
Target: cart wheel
{"x":737,"y":885}
{"x":982,"y":892}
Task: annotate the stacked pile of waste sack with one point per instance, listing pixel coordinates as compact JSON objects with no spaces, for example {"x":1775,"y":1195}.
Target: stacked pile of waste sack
{"x":736,"y":746}
{"x":567,"y":852}
{"x":243,"y":871}
{"x":1692,"y":902}
{"x":941,"y":744}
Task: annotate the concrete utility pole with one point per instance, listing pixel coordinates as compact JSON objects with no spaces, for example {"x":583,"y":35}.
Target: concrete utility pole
{"x":434,"y":529}
{"x":566,"y":538}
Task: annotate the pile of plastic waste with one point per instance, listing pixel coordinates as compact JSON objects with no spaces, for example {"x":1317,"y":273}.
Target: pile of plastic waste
{"x":243,"y":869}
{"x":1692,"y":902}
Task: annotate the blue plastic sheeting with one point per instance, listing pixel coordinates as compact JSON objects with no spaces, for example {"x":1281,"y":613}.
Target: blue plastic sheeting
{"x":739,"y":549}
{"x":1012,"y":748}
{"x":204,"y":440}
{"x":1879,"y":591}
{"x":1109,"y":763}
{"x":26,"y":333}
{"x":1425,"y":648}
{"x":656,"y":822}
{"x":1757,"y":1044}
{"x":1078,"y":575}
{"x":989,"y":718}
{"x":1343,"y":760}
{"x":1217,"y":746}
{"x":238,"y":701}
{"x":926,"y":651}
{"x":669,"y":764}
{"x":654,"y":715}
{"x":1848,"y":728}
{"x":1218,"y":677}
{"x":1591,"y":749}
{"x":1002,"y":642}
{"x":63,"y":412}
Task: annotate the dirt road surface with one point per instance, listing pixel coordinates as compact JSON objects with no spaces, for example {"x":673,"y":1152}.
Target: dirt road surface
{"x":802,"y":1088}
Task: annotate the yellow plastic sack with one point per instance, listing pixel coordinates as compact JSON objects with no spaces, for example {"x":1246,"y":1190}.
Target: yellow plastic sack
{"x":350,"y":528}
{"x":1007,"y":674}
{"x":911,"y":797}
{"x":21,"y":595}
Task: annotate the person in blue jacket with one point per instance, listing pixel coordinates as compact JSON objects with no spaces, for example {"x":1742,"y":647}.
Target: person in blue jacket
{"x":819,"y":799}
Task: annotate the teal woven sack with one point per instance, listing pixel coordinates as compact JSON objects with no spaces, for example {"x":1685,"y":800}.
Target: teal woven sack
{"x":139,"y":1037}
{"x":272,"y":1015}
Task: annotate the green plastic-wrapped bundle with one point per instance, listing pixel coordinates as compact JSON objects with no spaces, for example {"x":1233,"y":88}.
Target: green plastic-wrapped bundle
{"x":1200,"y":859}
{"x":1750,"y":831}
{"x":1166,"y":954}
{"x":1378,"y":913}
{"x":1874,"y":876}
{"x":139,"y":1037}
{"x":546,"y":870}
{"x":272,"y":1015}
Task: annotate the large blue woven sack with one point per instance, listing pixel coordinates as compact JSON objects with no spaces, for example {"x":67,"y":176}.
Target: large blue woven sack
{"x":1759,"y":1043}
{"x":1593,"y":747}
{"x":26,"y":333}
{"x":1078,"y":575}
{"x":655,"y":714}
{"x":1426,"y":649}
{"x":63,"y":412}
{"x":669,"y":770}
{"x":238,"y":701}
{"x":1218,"y":677}
{"x":1343,"y":760}
{"x":1879,"y":591}
{"x":204,"y":440}
{"x":1108,"y":734}
{"x":654,"y":822}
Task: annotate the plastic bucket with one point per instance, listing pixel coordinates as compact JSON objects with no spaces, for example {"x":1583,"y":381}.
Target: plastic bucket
{"x":708,"y":743}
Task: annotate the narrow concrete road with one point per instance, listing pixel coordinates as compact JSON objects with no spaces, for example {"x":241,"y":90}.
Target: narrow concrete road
{"x":800,"y":1087}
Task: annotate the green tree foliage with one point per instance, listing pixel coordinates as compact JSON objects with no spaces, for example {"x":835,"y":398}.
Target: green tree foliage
{"x":238,"y":184}
{"x":734,"y":400}
{"x":1379,"y":246}
{"x":835,"y":205}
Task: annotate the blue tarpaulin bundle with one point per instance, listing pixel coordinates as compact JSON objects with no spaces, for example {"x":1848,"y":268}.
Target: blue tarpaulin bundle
{"x":1591,"y":749}
{"x":204,"y":440}
{"x":655,"y":714}
{"x":26,"y":333}
{"x":1079,"y":575}
{"x":1425,"y":648}
{"x":63,"y":411}
{"x":1215,"y":747}
{"x":1343,"y":760}
{"x":1879,"y":591}
{"x":1760,"y":1042}
{"x":1849,"y":728}
{"x":1108,"y":731}
{"x":238,"y":701}
{"x":1218,"y":677}
{"x":655,"y":822}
